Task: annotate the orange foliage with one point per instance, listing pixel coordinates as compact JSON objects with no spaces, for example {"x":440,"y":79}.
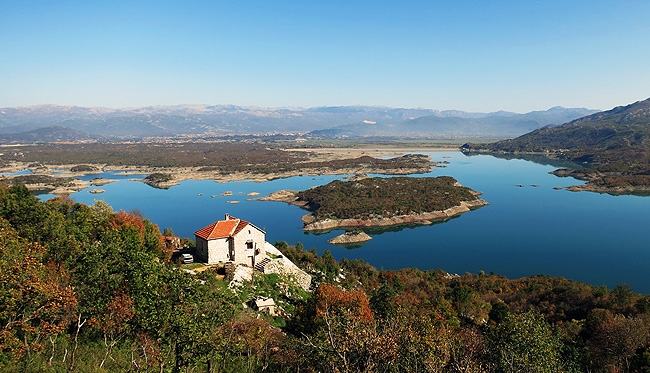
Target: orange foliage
{"x":123,"y":219}
{"x":166,"y":250}
{"x":118,"y":312}
{"x":38,"y":301}
{"x":355,"y":303}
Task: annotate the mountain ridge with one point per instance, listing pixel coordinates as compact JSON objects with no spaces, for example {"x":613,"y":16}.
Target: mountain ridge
{"x":614,"y":146}
{"x":621,"y":127}
{"x":322,"y":122}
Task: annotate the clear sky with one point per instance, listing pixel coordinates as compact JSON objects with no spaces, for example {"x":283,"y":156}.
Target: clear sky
{"x":517,"y":55}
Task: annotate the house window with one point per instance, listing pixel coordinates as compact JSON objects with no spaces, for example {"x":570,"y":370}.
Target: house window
{"x":249,"y":245}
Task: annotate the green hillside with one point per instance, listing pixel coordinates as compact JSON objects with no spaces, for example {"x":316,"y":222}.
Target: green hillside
{"x":86,"y":289}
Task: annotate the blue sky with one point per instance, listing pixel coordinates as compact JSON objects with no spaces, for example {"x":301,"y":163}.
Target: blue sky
{"x":467,"y":55}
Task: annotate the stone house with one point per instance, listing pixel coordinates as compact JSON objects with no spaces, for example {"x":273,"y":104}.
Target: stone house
{"x":230,"y":240}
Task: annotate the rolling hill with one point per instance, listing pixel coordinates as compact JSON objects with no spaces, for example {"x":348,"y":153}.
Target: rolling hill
{"x":47,"y":135}
{"x":611,"y":135}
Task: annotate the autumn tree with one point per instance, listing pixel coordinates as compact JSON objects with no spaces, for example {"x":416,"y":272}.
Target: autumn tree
{"x":36,"y":300}
{"x":255,"y":340}
{"x":467,"y":351}
{"x":339,"y":327}
{"x":113,"y":322}
{"x":615,"y":340}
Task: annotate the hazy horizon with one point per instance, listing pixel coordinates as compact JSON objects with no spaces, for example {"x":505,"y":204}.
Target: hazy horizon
{"x":483,"y":57}
{"x":297,"y":108}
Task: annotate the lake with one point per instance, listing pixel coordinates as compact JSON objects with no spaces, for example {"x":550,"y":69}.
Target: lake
{"x":528,"y":229}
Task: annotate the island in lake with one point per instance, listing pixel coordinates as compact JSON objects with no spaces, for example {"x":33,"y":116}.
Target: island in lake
{"x":377,"y":201}
{"x":350,"y":237}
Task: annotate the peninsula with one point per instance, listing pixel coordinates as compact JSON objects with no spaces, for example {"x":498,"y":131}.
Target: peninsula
{"x":376,"y":202}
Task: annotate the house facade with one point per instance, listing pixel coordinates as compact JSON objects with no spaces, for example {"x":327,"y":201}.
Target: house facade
{"x":230,"y":240}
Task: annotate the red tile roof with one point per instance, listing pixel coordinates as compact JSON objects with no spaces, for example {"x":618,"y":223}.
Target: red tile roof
{"x":222,"y":228}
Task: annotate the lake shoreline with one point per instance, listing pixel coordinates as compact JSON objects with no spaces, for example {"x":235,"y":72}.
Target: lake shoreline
{"x":522,"y":232}
{"x":424,"y":218}
{"x":180,"y":174}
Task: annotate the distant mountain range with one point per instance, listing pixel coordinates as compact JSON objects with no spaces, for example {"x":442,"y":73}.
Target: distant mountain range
{"x":47,"y":123}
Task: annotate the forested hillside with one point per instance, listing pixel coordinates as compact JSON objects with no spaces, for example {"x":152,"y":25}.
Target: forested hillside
{"x":87,"y":289}
{"x":620,"y":134}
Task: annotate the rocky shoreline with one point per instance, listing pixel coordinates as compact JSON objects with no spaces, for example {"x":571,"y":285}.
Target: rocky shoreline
{"x":425,"y":218}
{"x":182,"y":174}
{"x":615,"y":183}
{"x":587,"y":187}
{"x":599,"y":178}
{"x":350,"y":237}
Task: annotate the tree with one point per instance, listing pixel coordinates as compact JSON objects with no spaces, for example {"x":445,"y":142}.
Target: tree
{"x":523,"y":343}
{"x":24,"y":212}
{"x":422,"y":345}
{"x":36,"y":300}
{"x":254,"y":339}
{"x":469,"y":305}
{"x":616,"y":340}
{"x":467,"y":351}
{"x":382,"y":303}
{"x":339,"y":327}
{"x":113,"y":322}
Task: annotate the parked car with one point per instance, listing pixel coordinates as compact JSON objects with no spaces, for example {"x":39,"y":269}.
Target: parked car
{"x":187,"y":258}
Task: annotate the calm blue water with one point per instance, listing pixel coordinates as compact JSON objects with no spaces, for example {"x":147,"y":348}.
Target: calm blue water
{"x":588,"y":237}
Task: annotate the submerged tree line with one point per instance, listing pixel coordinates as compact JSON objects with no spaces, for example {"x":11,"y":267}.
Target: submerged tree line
{"x":87,"y":289}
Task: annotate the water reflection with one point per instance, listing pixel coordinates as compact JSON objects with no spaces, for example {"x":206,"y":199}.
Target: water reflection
{"x":535,"y":158}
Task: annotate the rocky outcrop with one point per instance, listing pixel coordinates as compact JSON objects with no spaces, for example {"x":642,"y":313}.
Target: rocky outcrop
{"x":272,"y":261}
{"x":241,"y":275}
{"x":350,"y":237}
{"x":99,"y":181}
{"x":613,"y":190}
{"x":283,"y":266}
{"x":288,"y":196}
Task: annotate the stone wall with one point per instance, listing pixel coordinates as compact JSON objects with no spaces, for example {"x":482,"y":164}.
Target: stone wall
{"x":283,"y":266}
